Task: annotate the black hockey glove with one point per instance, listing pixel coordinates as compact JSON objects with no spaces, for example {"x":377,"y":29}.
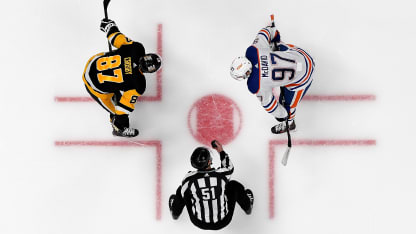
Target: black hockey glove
{"x":106,"y":25}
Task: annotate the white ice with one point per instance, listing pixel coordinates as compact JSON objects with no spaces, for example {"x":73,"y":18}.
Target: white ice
{"x":360,"y":47}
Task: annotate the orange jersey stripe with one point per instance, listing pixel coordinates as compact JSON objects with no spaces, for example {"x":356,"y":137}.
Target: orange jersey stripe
{"x":308,"y":73}
{"x":309,"y":68}
{"x":267,"y":33}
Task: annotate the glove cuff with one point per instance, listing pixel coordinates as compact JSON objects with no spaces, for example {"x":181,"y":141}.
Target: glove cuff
{"x":108,"y":27}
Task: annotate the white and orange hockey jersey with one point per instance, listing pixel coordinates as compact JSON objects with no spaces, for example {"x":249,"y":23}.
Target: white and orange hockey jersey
{"x":285,"y":66}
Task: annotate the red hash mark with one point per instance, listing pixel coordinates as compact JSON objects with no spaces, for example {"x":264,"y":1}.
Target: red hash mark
{"x":156,"y":144}
{"x":274,"y":143}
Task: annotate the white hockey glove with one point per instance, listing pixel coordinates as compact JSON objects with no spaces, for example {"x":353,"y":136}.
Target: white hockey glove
{"x":106,"y":25}
{"x":274,"y":34}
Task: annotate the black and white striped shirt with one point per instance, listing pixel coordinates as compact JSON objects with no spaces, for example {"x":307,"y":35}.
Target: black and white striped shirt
{"x":206,"y":189}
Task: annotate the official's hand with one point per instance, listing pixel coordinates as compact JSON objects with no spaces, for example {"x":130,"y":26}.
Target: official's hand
{"x":106,"y":24}
{"x":217,"y":146}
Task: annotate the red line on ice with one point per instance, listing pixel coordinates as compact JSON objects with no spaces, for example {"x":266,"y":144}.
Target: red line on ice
{"x":305,"y":142}
{"x":364,"y":97}
{"x":158,"y":97}
{"x":151,"y":143}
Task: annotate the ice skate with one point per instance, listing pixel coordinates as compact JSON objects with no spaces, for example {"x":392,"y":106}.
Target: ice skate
{"x":126,"y":132}
{"x":281,"y":127}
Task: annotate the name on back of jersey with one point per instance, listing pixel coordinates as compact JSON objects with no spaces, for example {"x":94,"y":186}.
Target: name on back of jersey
{"x":127,"y":65}
{"x":264,"y":61}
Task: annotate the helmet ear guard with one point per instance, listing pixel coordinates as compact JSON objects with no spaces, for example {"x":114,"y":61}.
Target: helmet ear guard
{"x":241,"y":68}
{"x":150,"y":63}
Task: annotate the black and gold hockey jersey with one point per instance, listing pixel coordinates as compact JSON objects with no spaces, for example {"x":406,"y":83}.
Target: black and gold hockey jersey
{"x":117,"y":73}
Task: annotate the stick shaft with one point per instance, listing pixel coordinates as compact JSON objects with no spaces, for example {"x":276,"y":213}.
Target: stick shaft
{"x":105,"y":3}
{"x":289,"y":138}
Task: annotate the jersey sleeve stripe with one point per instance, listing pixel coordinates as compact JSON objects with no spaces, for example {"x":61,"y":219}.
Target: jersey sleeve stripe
{"x":264,"y":30}
{"x":260,"y":33}
{"x":112,"y":37}
{"x":118,"y":39}
{"x":308,"y":62}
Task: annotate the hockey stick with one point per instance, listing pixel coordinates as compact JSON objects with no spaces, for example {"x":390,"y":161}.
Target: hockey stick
{"x":289,"y":138}
{"x":105,"y":3}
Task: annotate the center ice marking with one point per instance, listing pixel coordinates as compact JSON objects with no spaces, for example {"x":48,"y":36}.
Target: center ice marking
{"x":214,"y":116}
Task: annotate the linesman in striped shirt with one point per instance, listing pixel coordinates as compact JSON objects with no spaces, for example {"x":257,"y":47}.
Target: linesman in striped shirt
{"x":208,"y":193}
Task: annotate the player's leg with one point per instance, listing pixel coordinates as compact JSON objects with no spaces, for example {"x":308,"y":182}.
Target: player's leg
{"x":271,"y":105}
{"x":292,"y":98}
{"x":103,"y":99}
{"x":119,"y":122}
{"x":236,"y":192}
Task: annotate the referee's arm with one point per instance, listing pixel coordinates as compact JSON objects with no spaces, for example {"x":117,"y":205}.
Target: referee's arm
{"x":227,"y":167}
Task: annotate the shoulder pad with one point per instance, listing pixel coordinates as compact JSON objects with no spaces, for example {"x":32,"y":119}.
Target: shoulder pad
{"x":253,"y":81}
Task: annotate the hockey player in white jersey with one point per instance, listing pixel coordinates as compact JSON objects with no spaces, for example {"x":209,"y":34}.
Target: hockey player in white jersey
{"x":268,"y":64}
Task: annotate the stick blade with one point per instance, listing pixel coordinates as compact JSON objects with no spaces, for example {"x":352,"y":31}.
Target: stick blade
{"x":286,"y":156}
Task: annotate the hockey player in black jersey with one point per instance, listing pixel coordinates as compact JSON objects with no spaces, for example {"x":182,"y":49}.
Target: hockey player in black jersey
{"x":115,"y":79}
{"x":208,"y":193}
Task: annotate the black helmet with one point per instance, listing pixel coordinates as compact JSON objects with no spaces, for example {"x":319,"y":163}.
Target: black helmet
{"x":200,"y":158}
{"x":150,"y":63}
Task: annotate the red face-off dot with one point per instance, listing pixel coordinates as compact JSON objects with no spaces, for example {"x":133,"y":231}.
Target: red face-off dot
{"x":214,"y":117}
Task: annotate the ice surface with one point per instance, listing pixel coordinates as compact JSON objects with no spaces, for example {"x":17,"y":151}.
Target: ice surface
{"x":360,"y":47}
